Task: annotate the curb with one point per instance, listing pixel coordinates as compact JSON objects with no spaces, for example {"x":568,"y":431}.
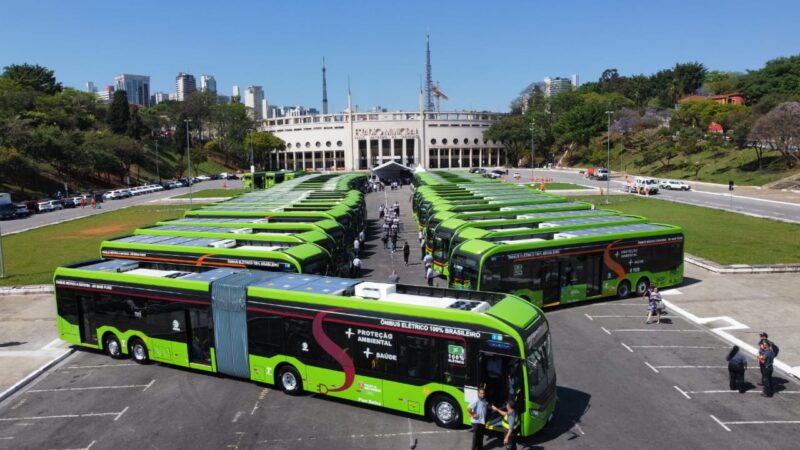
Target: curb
{"x":33,"y":375}
{"x":737,"y":269}
{"x":27,"y":290}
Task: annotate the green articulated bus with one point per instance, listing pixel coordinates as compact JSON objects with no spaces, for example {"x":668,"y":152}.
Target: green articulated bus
{"x":418,"y":350}
{"x":256,"y":226}
{"x":511,"y":212}
{"x":246,"y":254}
{"x":340,"y":215}
{"x":442,"y":246}
{"x":246,"y":236}
{"x":573,"y":265}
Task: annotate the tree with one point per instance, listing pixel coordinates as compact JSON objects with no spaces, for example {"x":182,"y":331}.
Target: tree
{"x":136,"y":128}
{"x":119,"y":113}
{"x":15,"y":167}
{"x":36,"y":77}
{"x":780,"y":130}
{"x":121,"y":152}
{"x":232,"y":125}
{"x":719,"y":82}
{"x":779,"y":76}
{"x":514,"y":132}
{"x":263,"y":144}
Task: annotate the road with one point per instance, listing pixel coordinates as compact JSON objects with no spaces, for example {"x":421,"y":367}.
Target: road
{"x":778,"y":205}
{"x":38,"y":220}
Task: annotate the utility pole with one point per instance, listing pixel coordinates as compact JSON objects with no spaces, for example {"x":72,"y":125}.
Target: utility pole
{"x":252,"y":168}
{"x":2,"y":261}
{"x":533,"y":149}
{"x":158,"y":172}
{"x":189,"y":160}
{"x":608,"y":160}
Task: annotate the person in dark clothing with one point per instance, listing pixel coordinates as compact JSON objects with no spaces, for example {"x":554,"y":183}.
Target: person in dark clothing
{"x":737,"y":364}
{"x":766,"y":359}
{"x":406,"y":252}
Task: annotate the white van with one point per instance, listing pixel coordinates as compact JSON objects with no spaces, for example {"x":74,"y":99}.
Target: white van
{"x":645,"y":185}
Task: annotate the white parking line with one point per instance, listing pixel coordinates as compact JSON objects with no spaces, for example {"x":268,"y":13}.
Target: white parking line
{"x":52,"y":343}
{"x":6,"y":438}
{"x":100,"y":366}
{"x":588,"y":316}
{"x":651,"y":367}
{"x":606,"y":330}
{"x":94,"y":388}
{"x":66,"y":416}
{"x":654,"y":330}
{"x":693,"y":367}
{"x":357,"y":436}
{"x":626,"y":346}
{"x":611,"y":316}
{"x":708,"y":347}
{"x":685,"y":394}
{"x":728,"y":391}
{"x":91,"y":444}
{"x":719,"y":422}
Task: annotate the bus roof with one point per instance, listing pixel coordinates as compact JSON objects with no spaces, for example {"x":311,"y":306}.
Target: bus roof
{"x":209,"y":246}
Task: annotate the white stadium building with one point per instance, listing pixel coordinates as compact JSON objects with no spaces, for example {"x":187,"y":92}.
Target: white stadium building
{"x":363,"y":140}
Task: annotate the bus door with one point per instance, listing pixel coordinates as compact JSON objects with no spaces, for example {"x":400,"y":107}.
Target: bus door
{"x":198,"y":328}
{"x":87,"y":319}
{"x":502,"y":379}
{"x":551,"y":283}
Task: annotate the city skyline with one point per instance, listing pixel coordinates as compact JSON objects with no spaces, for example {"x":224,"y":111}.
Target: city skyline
{"x":481,"y":71}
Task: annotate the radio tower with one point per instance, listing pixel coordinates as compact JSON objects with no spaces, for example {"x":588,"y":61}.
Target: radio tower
{"x":324,"y":89}
{"x":428,"y":75}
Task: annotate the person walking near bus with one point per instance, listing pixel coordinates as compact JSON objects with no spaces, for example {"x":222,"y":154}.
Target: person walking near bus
{"x":362,"y":237}
{"x":356,"y":246}
{"x":477,"y":413}
{"x":766,"y":358}
{"x":737,"y":364}
{"x":510,"y":423}
{"x":381,"y":211}
{"x":394,"y":277}
{"x":406,"y":252}
{"x":356,"y":267}
{"x":654,"y":305}
{"x":429,"y":274}
{"x":393,"y":239}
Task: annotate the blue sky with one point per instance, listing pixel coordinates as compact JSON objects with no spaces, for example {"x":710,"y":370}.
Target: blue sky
{"x":483,"y":53}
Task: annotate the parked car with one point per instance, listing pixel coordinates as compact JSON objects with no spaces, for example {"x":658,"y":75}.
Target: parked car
{"x":477,"y":170}
{"x":21,"y":211}
{"x":642,"y":185}
{"x":203,"y":178}
{"x":675,"y":185}
{"x":56,"y":205}
{"x":44,"y":206}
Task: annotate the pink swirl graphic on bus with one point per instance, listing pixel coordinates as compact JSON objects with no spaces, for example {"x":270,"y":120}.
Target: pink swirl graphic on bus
{"x":335,"y":351}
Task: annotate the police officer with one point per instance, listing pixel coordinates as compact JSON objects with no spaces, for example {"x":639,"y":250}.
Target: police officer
{"x":477,"y":412}
{"x":511,"y":425}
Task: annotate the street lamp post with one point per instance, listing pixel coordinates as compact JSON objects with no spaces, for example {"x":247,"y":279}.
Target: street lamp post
{"x":252,"y":168}
{"x":2,"y":261}
{"x":189,"y":160}
{"x":608,"y":160}
{"x":158,"y":172}
{"x":533,"y":150}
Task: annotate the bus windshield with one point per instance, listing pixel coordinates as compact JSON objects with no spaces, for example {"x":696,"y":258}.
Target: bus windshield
{"x":539,"y":361}
{"x":464,"y":272}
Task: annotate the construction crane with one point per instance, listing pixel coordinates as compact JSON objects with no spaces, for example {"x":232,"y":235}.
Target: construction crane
{"x":439,"y":94}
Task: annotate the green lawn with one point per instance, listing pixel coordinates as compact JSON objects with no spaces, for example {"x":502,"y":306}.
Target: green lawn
{"x":211,"y":193}
{"x":723,"y":237}
{"x":562,"y":186}
{"x":32,"y":256}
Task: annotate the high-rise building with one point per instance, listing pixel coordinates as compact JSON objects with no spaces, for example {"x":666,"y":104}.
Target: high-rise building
{"x":90,"y":87}
{"x":236,"y":95}
{"x":185,"y":85}
{"x":264,"y":109}
{"x":159,"y":97}
{"x":253,"y":96}
{"x":208,"y":83}
{"x":324,"y":89}
{"x":136,"y":86}
{"x":173,"y":96}
{"x":555,"y":85}
{"x":106,"y":95}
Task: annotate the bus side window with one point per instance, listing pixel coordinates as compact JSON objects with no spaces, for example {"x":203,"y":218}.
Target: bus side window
{"x":454,"y":361}
{"x":300,"y":342}
{"x":265,"y":334}
{"x":417,"y":357}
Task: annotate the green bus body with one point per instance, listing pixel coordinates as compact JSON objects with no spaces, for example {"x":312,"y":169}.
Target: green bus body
{"x":509,"y":212}
{"x":573,"y":266}
{"x":166,"y":250}
{"x":442,"y":246}
{"x":377,"y":351}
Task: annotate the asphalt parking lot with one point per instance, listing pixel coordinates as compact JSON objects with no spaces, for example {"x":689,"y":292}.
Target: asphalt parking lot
{"x":620,"y":382}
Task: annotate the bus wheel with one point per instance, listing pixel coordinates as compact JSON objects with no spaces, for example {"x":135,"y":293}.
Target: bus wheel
{"x":139,"y":351}
{"x":445,"y":411}
{"x":111,"y":346}
{"x":290,"y":381}
{"x":641,"y":286}
{"x":624,"y":289}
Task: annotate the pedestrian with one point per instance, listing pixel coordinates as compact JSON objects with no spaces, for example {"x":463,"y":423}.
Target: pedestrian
{"x":477,"y":413}
{"x":94,"y":202}
{"x":766,"y":358}
{"x":421,"y":236}
{"x":654,"y":305}
{"x":394,"y":277}
{"x":356,"y":246}
{"x":422,"y":250}
{"x":428,"y":260}
{"x":83,"y":201}
{"x":394,"y":242}
{"x":361,"y":236}
{"x":385,"y":239}
{"x":406,"y":252}
{"x":356,"y":267}
{"x":381,"y":212}
{"x":429,"y":274}
{"x":510,"y":423}
{"x":763,"y":336}
{"x":737,"y":365}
